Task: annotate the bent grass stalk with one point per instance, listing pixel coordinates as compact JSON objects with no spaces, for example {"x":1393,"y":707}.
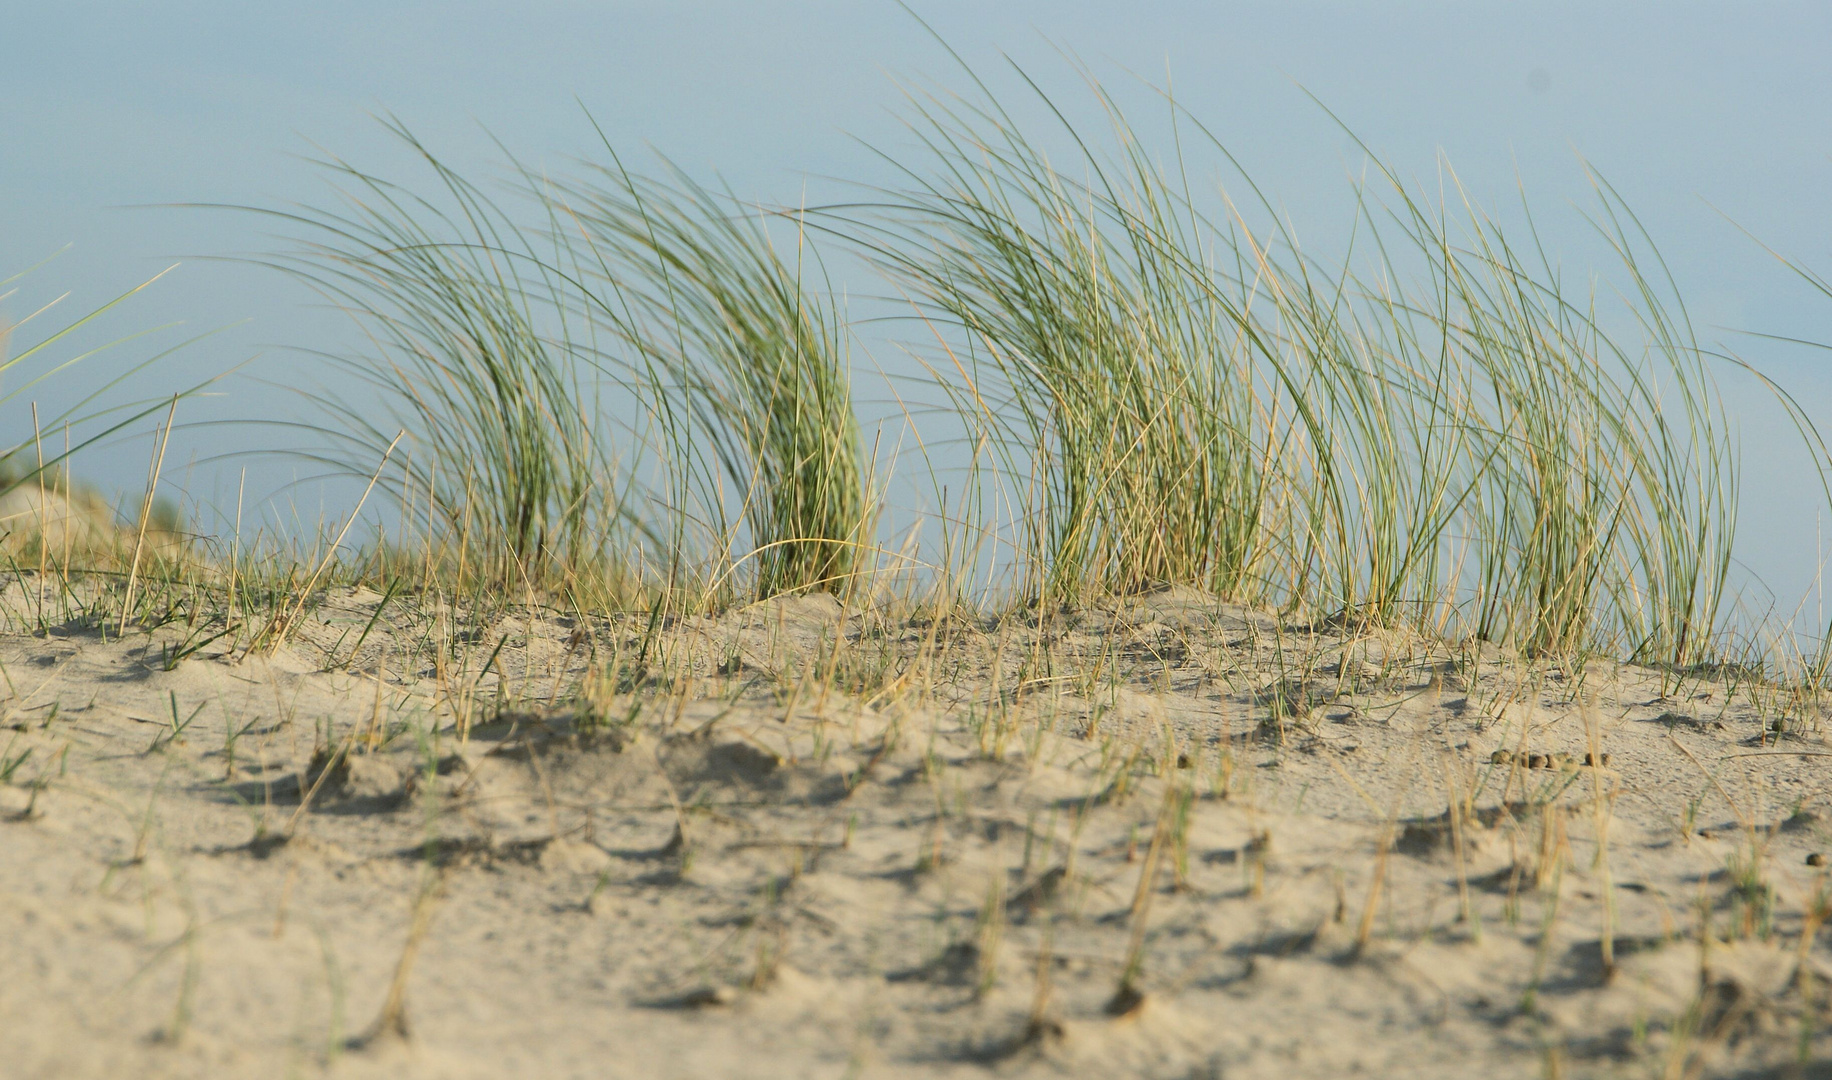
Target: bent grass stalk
{"x":146,"y":514}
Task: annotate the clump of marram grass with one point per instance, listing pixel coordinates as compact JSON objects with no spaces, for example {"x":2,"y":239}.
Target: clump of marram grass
{"x":1594,"y":488}
{"x":473,"y":356}
{"x":745,"y":356}
{"x":1438,"y":433}
{"x":1109,"y":372}
{"x":1434,"y":430}
{"x":494,"y":347}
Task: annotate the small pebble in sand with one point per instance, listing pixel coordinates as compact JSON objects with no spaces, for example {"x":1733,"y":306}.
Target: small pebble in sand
{"x":1816,"y":859}
{"x":1126,"y":1001}
{"x":705,"y":997}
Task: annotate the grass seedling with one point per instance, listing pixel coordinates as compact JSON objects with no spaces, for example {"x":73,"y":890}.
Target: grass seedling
{"x":391,"y":1020}
{"x":184,"y":1006}
{"x":1601,"y":807}
{"x":10,"y":762}
{"x":1129,"y":996}
{"x":1457,"y":812}
{"x":334,"y":1042}
{"x":177,"y":727}
{"x":1039,"y":1026}
{"x":1364,"y":929}
{"x":989,"y":933}
{"x":1542,"y":952}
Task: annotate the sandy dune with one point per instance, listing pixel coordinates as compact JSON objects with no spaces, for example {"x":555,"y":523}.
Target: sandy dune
{"x":1168,"y":837}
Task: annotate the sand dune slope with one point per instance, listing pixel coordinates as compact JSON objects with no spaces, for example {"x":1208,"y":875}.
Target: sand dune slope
{"x":1163,"y":838}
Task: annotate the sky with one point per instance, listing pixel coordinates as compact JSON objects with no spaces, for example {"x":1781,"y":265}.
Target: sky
{"x":1713,"y":121}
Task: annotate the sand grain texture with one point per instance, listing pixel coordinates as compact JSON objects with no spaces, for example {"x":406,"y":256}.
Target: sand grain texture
{"x":1139,"y":839}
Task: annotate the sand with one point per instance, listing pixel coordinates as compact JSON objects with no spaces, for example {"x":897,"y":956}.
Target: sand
{"x":1163,"y":837}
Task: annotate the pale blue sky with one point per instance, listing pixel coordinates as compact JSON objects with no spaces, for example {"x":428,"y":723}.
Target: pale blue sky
{"x":1694,"y":111}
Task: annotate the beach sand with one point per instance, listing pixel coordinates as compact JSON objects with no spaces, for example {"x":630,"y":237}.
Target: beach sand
{"x":1159,"y":837}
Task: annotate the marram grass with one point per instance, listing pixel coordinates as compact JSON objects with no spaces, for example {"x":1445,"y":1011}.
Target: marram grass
{"x":1433,"y":430}
{"x":494,"y":345}
{"x":651,"y":386}
{"x":474,"y":359}
{"x":745,"y":354}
